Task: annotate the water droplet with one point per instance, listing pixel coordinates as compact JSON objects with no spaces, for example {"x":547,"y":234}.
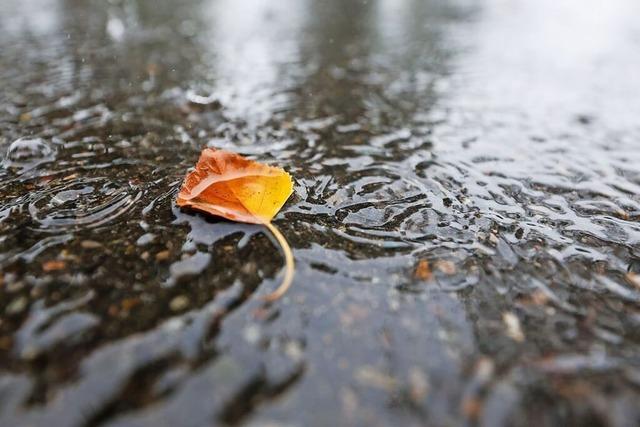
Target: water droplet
{"x":25,"y":154}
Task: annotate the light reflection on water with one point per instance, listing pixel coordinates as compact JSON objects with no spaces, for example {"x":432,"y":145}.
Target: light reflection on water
{"x":464,"y":217}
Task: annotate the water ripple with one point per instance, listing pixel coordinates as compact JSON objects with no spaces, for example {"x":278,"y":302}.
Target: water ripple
{"x":81,"y":203}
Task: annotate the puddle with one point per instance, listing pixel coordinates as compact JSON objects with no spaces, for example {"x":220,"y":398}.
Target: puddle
{"x":464,"y":217}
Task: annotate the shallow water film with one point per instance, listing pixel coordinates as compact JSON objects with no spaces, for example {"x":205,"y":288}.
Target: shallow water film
{"x":465,"y":217}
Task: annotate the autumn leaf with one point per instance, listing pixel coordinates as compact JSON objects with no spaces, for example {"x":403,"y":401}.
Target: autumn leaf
{"x":228,"y":185}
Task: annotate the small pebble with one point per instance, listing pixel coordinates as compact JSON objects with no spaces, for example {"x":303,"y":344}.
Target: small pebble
{"x":129,"y":303}
{"x":53,"y":265}
{"x":145,"y":239}
{"x":17,"y":306}
{"x":371,"y":377}
{"x":162,"y":256}
{"x":446,"y":266}
{"x":179,"y":303}
{"x":293,"y":349}
{"x":633,"y":278}
{"x":251,"y":334}
{"x":423,"y":270}
{"x":90,"y":244}
{"x":418,"y":385}
{"x":514,"y":331}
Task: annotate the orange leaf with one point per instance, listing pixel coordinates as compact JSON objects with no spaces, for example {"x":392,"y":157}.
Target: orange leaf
{"x":226,"y":184}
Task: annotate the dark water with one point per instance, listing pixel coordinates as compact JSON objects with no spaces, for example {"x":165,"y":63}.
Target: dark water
{"x":465,"y":218}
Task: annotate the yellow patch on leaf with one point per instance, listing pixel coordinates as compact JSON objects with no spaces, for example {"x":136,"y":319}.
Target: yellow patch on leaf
{"x":228,"y":185}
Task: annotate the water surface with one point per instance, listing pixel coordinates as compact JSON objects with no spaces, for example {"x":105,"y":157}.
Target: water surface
{"x":464,"y":220}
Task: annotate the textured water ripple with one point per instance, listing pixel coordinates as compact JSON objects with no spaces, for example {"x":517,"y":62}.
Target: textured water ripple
{"x":465,"y":214}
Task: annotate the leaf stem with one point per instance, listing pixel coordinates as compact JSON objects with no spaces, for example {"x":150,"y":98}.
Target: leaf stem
{"x":289,"y":267}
